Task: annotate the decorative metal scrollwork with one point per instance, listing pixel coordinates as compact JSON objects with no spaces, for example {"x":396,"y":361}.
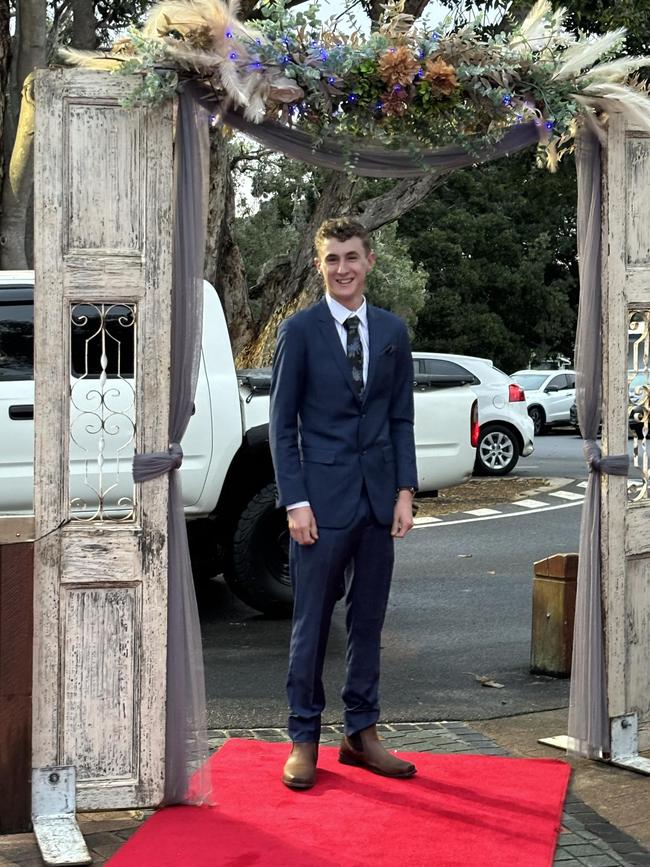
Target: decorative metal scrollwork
{"x":638,"y":380}
{"x":102,"y":411}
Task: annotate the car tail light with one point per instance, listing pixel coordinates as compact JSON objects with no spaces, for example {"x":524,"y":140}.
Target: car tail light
{"x":515,"y":393}
{"x":474,"y":425}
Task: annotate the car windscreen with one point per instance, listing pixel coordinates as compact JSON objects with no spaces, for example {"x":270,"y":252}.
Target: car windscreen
{"x":530,"y":381}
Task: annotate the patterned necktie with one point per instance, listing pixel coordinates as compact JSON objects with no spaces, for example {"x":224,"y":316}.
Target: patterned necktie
{"x":355,"y":352}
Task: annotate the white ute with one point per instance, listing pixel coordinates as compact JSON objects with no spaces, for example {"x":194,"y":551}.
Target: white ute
{"x":228,"y":485}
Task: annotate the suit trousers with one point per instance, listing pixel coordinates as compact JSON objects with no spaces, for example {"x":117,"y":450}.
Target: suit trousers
{"x":319,"y":572}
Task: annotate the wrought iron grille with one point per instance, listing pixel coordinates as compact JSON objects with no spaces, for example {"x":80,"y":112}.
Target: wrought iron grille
{"x":103,"y":349}
{"x":638,"y":380}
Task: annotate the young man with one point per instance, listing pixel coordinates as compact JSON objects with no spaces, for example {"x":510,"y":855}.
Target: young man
{"x":344,"y":455}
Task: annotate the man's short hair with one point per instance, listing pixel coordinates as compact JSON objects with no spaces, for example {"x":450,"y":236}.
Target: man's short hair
{"x":341,"y":228}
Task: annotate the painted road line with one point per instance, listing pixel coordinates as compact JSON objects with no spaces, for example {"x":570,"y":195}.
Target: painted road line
{"x":567,"y":495}
{"x":529,"y":504}
{"x":582,"y":484}
{"x":428,"y":522}
{"x":480,"y":513}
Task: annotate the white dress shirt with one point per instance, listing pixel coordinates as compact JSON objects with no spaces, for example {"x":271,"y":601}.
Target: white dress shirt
{"x":340,"y":314}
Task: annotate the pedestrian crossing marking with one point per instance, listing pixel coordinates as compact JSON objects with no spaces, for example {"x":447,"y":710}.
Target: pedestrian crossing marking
{"x":530,"y":504}
{"x":480,"y":513}
{"x":567,"y":495}
{"x":582,"y":484}
{"x":426,"y":520}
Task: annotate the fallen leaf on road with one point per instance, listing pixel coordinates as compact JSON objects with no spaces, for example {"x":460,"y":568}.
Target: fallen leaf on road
{"x":465,"y":555}
{"x":486,"y":680}
{"x":491,"y":572}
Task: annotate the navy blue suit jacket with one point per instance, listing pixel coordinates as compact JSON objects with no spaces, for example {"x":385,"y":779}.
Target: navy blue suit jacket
{"x":325,"y":440}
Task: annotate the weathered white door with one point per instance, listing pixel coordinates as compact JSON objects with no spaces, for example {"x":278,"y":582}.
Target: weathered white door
{"x":626,"y":391}
{"x":102,"y":299}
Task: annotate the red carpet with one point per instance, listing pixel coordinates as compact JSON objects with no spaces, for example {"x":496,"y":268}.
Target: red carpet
{"x":460,"y":810}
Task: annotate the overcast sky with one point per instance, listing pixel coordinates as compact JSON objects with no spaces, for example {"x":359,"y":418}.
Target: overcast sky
{"x":434,"y":13}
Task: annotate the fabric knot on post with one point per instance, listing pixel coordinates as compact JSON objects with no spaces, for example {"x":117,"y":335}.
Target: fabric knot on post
{"x":612,"y":465}
{"x":151,"y":466}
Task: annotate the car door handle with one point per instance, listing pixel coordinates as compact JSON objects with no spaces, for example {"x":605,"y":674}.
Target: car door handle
{"x":21,"y":411}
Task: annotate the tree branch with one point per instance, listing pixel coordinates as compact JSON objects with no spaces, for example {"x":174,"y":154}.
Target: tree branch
{"x":253,"y":155}
{"x":391,"y":205}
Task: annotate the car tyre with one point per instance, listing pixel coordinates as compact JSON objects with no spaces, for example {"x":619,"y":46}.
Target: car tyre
{"x":539,"y":419}
{"x":259,"y":573}
{"x":497,"y":451}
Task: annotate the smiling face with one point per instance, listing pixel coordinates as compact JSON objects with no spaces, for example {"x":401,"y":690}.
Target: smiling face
{"x":344,"y":266}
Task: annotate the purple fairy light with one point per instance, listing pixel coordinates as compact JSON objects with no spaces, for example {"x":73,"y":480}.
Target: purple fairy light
{"x":331,"y":79}
{"x":549,"y":124}
{"x":233,"y":55}
{"x":507,"y":99}
{"x":353,"y":97}
{"x":323,"y":54}
{"x":228,"y":34}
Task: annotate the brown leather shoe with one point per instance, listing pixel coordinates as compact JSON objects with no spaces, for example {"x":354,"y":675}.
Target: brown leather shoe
{"x":300,"y":768}
{"x":365,"y":750}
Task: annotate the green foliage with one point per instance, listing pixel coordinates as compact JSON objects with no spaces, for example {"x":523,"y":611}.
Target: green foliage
{"x":395,"y":283}
{"x":498,"y":244}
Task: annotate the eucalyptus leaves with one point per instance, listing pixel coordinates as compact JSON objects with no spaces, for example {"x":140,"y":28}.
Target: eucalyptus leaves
{"x":402,"y":87}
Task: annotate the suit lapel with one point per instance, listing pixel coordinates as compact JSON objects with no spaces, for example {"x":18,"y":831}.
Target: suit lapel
{"x":331,"y":337}
{"x":376,"y":342}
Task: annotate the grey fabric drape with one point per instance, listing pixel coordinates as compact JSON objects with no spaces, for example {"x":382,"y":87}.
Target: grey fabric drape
{"x":186,"y":749}
{"x":371,"y":161}
{"x":588,"y":727}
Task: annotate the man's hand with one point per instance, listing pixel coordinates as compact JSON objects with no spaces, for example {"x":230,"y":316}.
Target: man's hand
{"x":402,"y":515}
{"x":302,"y":525}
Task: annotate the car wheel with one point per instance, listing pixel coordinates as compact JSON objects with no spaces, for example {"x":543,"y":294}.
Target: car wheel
{"x":539,"y":419}
{"x":497,"y":452}
{"x":259,"y":573}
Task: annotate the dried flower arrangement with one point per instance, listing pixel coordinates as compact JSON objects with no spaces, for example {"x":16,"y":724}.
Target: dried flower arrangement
{"x":404,"y":86}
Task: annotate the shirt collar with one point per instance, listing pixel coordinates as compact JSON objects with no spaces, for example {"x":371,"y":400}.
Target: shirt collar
{"x":341,"y":313}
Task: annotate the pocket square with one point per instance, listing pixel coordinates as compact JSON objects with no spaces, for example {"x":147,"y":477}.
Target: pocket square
{"x":388,"y":350}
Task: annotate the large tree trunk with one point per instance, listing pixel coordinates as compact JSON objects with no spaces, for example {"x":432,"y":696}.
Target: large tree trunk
{"x":223,"y":263}
{"x":5,"y":57}
{"x":84,"y":35}
{"x":16,"y":220}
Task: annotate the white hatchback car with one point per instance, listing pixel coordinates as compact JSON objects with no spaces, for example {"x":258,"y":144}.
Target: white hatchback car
{"x":550,"y":395}
{"x":506,"y":431}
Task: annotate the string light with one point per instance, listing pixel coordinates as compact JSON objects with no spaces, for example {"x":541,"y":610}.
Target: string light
{"x":549,"y":124}
{"x":331,"y":79}
{"x":228,"y":34}
{"x":323,"y":54}
{"x":507,"y":99}
{"x":353,"y":97}
{"x":233,"y":55}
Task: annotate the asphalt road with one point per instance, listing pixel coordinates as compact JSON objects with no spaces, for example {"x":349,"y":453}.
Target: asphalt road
{"x":460,"y":608}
